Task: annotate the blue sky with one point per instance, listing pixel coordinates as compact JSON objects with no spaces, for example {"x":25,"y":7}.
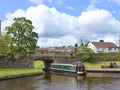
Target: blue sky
{"x":66,"y":22}
{"x":65,"y":6}
{"x":9,"y":6}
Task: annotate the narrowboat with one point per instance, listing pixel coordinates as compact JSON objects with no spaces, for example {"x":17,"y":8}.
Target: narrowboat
{"x":68,"y":69}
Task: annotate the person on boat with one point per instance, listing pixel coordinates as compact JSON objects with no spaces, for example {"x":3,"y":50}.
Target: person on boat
{"x":114,"y":65}
{"x":111,"y":64}
{"x":79,"y":65}
{"x":82,"y":67}
{"x":74,"y":63}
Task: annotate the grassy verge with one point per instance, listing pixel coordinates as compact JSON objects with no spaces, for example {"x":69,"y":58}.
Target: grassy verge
{"x":10,"y":71}
{"x":98,"y":65}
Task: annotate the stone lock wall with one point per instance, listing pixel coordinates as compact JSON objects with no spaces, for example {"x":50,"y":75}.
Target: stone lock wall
{"x":16,"y":61}
{"x":26,"y":60}
{"x":68,"y":58}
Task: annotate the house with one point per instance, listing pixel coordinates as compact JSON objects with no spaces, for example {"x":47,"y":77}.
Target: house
{"x":101,"y":46}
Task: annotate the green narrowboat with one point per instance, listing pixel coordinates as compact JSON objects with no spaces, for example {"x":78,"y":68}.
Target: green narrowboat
{"x":67,"y":69}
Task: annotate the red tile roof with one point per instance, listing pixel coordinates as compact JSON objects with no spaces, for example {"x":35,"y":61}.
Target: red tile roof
{"x":104,"y":44}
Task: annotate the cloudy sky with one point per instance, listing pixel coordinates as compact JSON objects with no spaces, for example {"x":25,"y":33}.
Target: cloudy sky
{"x":66,"y":22}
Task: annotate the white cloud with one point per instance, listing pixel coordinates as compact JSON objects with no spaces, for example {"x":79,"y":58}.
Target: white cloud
{"x":111,"y":37}
{"x":10,"y":17}
{"x":98,"y":22}
{"x":49,"y":22}
{"x":55,"y":28}
{"x":37,"y":1}
{"x":58,"y":2}
{"x":66,"y":40}
{"x":91,"y":7}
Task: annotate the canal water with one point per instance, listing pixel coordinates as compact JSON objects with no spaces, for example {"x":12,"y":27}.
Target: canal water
{"x":93,"y":81}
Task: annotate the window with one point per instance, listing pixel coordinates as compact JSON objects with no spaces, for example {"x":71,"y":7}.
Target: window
{"x":110,"y":48}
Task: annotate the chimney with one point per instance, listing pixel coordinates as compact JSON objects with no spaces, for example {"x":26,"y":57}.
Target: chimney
{"x":101,"y":40}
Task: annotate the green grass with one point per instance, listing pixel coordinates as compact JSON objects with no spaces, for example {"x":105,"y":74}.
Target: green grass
{"x":38,"y":64}
{"x":10,"y":71}
{"x":98,"y":65}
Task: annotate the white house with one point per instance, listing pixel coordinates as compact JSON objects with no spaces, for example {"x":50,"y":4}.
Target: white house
{"x":102,"y":46}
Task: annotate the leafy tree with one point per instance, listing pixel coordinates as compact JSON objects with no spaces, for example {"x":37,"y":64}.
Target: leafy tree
{"x":5,"y":41}
{"x":118,"y":55}
{"x":22,"y":34}
{"x":80,"y":49}
{"x":76,"y":45}
{"x":88,"y":55}
{"x":104,"y":56}
{"x":77,"y":48}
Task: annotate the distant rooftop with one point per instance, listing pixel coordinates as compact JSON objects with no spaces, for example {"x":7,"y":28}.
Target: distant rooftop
{"x":65,"y":49}
{"x":103,"y":44}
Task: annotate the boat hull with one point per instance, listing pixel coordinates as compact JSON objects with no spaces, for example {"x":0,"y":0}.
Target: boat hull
{"x":66,"y":69}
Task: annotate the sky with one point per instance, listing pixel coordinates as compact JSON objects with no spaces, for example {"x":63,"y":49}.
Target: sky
{"x":66,"y":22}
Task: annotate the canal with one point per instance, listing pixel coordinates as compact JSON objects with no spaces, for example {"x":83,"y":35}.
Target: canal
{"x":93,"y":81}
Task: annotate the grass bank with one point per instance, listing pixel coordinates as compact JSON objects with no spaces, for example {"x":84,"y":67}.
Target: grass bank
{"x":98,"y":65}
{"x":10,"y":71}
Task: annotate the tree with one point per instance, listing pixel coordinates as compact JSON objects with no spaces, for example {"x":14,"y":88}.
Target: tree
{"x":76,"y":45}
{"x":76,"y":50}
{"x":88,"y":55}
{"x":104,"y":56}
{"x":118,"y":55}
{"x":22,"y":34}
{"x":5,"y":41}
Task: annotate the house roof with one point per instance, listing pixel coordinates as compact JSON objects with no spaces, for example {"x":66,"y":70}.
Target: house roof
{"x":66,"y":49}
{"x":104,"y":44}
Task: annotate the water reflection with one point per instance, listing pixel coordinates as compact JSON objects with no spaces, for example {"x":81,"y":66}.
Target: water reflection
{"x":103,"y":81}
{"x":47,"y":75}
{"x":49,"y":81}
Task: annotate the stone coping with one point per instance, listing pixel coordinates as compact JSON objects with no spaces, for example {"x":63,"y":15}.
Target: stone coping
{"x":20,"y":76}
{"x":108,"y":66}
{"x":103,"y":70}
